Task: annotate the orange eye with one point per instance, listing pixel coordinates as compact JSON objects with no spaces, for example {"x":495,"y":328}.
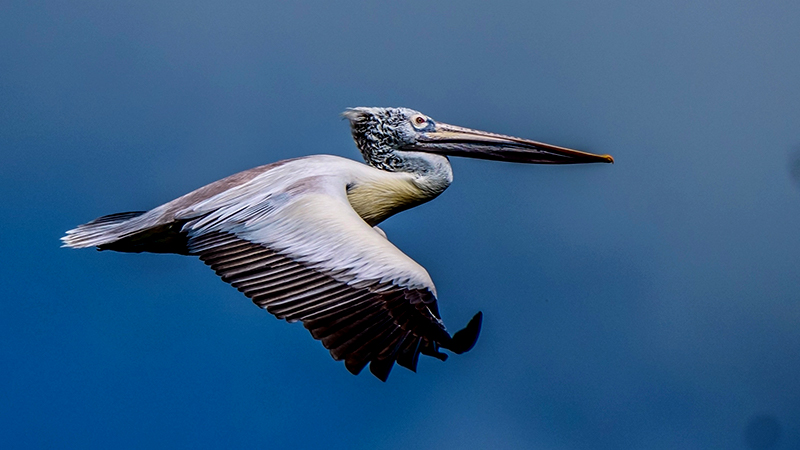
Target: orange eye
{"x":419,"y":120}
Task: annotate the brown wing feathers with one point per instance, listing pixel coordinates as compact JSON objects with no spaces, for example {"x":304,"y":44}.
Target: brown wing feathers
{"x":375,"y":325}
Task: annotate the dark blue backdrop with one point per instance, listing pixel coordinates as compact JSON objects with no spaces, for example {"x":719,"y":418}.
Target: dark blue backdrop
{"x":650,"y":304}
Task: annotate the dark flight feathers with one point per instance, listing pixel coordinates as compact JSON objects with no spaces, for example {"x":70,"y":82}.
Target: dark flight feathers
{"x":376,"y":325}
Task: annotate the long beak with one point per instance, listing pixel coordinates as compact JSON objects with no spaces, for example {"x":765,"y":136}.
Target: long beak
{"x":458,"y":141}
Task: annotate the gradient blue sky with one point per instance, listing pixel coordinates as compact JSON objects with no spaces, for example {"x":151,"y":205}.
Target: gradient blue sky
{"x":650,"y":304}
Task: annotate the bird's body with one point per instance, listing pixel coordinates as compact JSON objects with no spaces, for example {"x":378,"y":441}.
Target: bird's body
{"x":300,"y":238}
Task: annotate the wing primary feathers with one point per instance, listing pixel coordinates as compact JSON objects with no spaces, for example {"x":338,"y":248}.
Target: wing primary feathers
{"x":465,"y":339}
{"x":409,"y":353}
{"x":393,"y":346}
{"x":351,"y":343}
{"x":341,"y":315}
{"x":361,"y":322}
{"x":360,"y":349}
{"x":431,"y":348}
{"x":381,"y":368}
{"x":343,"y":331}
{"x":322,"y":327}
{"x":382,"y":361}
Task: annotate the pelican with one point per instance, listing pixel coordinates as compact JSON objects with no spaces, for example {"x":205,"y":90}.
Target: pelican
{"x":300,"y":237}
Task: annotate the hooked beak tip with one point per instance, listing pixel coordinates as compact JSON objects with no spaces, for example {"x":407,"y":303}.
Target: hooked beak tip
{"x":608,"y":158}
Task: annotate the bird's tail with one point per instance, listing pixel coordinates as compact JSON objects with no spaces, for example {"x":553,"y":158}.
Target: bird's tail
{"x":99,"y":232}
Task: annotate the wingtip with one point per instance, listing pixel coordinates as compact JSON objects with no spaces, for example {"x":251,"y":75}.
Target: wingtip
{"x":465,"y":339}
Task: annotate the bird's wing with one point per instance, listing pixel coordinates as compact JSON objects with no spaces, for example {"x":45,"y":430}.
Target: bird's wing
{"x":301,"y":252}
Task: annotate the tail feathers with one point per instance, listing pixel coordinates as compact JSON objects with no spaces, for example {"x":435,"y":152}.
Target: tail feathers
{"x":100,"y":231}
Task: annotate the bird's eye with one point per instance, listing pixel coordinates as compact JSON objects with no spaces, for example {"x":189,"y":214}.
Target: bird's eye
{"x":419,"y":121}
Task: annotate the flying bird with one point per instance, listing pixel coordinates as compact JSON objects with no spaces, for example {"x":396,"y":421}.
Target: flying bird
{"x":300,"y":237}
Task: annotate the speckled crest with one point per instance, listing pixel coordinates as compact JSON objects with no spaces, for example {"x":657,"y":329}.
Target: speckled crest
{"x":378,"y":132}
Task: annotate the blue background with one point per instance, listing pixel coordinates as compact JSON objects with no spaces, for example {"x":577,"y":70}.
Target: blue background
{"x":650,"y":304}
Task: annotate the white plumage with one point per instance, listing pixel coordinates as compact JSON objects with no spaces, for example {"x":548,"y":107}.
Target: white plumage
{"x":300,"y":237}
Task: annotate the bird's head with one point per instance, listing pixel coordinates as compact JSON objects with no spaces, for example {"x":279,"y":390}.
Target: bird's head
{"x":385,"y":135}
{"x":380,"y":132}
